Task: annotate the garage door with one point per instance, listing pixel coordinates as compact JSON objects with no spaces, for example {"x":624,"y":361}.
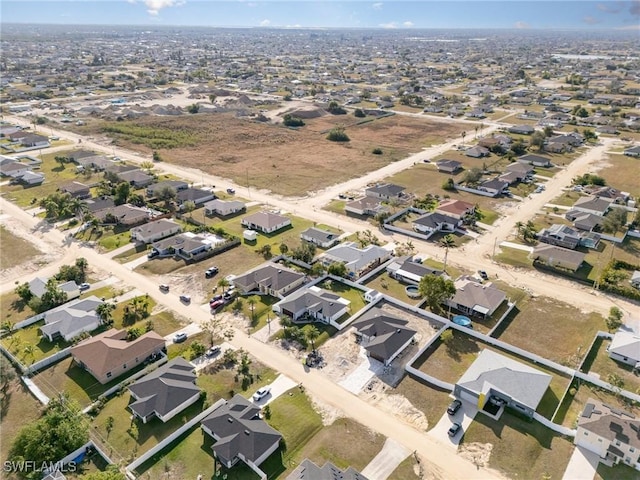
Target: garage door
{"x":468,"y":397}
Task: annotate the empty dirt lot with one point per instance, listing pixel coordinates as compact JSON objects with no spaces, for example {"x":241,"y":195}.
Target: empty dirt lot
{"x":272,"y":157}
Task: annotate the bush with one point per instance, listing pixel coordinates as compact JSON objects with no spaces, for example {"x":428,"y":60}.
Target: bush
{"x":377,"y":151}
{"x":290,"y":121}
{"x":337,"y":134}
{"x":359,"y":113}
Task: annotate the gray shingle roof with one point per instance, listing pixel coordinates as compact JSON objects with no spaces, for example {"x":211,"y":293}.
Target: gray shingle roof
{"x":307,"y":470}
{"x":272,"y":276}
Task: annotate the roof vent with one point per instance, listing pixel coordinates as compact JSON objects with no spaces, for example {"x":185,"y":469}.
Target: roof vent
{"x":230,"y":420}
{"x":279,"y":271}
{"x":247,"y":432}
{"x":398,"y":331}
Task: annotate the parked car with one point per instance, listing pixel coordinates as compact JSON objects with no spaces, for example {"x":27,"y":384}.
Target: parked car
{"x":212,"y":351}
{"x":164,"y":287}
{"x":454,"y":407}
{"x":215,"y":298}
{"x":210,"y":272}
{"x":261,"y":393}
{"x":454,"y":429}
{"x":483,"y":275}
{"x":185,"y":298}
{"x":179,"y":337}
{"x":216,"y":304}
{"x":231,"y":191}
{"x":84,"y":286}
{"x":153,"y":253}
{"x":229,"y":295}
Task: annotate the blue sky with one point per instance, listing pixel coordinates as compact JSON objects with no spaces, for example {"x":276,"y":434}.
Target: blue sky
{"x":534,"y":14}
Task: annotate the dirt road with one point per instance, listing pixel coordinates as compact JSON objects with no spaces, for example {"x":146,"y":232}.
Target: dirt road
{"x":441,"y":461}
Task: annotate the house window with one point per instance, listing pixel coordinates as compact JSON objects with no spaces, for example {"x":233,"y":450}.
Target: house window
{"x":108,"y":374}
{"x":124,"y":366}
{"x":136,"y":359}
{"x":617,"y":443}
{"x":631,"y":449}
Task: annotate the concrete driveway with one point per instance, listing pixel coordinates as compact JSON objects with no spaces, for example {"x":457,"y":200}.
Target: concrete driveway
{"x":386,"y":461}
{"x":582,"y":465}
{"x":203,"y":361}
{"x":279,"y":386}
{"x":464,"y":417}
{"x":190,"y":330}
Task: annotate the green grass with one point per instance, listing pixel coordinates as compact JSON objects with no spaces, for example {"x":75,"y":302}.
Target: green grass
{"x":118,"y":313}
{"x":389,"y":286}
{"x":617,"y":472}
{"x":335,"y":206}
{"x":567,"y":199}
{"x":262,"y":310}
{"x":117,"y":240}
{"x":406,"y":470}
{"x":354,"y":295}
{"x":184,"y":349}
{"x":601,"y":363}
{"x":132,"y":254}
{"x":14,"y":309}
{"x":31,"y":335}
{"x":514,"y":257}
{"x":15,"y":250}
{"x":521,"y":449}
{"x":488,"y":216}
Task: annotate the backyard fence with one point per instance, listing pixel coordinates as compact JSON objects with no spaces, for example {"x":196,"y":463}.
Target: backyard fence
{"x":476,"y":191}
{"x":174,"y":436}
{"x":59,"y":465}
{"x":569,"y":432}
{"x":45,"y":362}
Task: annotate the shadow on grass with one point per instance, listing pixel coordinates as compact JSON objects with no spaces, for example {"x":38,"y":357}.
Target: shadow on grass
{"x":587,"y":363}
{"x":159,"y":430}
{"x":461,"y":345}
{"x":506,"y":322}
{"x":18,"y":305}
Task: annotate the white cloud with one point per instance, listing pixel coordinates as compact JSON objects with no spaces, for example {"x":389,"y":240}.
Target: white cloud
{"x":589,"y":20}
{"x":154,"y":6}
{"x":389,"y":25}
{"x":521,"y":25}
{"x":377,"y":6}
{"x":407,"y":24}
{"x":265,"y":23}
{"x":629,"y":27}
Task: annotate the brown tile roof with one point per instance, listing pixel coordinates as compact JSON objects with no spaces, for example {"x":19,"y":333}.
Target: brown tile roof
{"x":610,"y":423}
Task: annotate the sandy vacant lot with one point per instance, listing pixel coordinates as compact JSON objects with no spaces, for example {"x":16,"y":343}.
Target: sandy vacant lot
{"x":286,"y":161}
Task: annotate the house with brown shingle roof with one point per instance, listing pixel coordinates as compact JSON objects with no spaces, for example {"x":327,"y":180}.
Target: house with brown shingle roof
{"x":109,"y":354}
{"x":611,"y":433}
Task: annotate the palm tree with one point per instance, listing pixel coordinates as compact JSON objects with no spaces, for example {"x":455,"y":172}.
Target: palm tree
{"x":223,"y":282}
{"x":447,"y":242}
{"x":28,"y":351}
{"x":105,"y":312}
{"x":312,"y":335}
{"x":519,"y":226}
{"x":463,"y":134}
{"x":252,"y":305}
{"x":147,"y":165}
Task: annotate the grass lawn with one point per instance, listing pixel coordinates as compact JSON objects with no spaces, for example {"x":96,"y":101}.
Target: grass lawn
{"x":262,"y":310}
{"x":567,"y":199}
{"x":292,"y":414}
{"x":149,"y":434}
{"x":568,"y":332}
{"x":344,"y":443}
{"x":164,"y":323}
{"x":600,"y":363}
{"x":184,"y":349}
{"x":15,"y":250}
{"x":67,"y":376}
{"x":618,"y":472}
{"x":426,"y":398}
{"x":621,"y":172}
{"x":132,"y":254}
{"x":118,"y":313}
{"x":115,"y":240}
{"x":390,"y":286}
{"x":514,"y":257}
{"x":20,"y":339}
{"x":449,"y":362}
{"x":521,"y":449}
{"x":103,"y":293}
{"x":354,"y":295}
{"x":406,"y":470}
{"x":335,"y":206}
{"x":14,"y":309}
{"x":18,"y":408}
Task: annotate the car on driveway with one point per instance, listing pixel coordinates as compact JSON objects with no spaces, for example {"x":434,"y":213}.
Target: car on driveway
{"x":179,"y":337}
{"x":213,"y":351}
{"x":231,"y":191}
{"x":261,"y":393}
{"x":164,"y":287}
{"x":216,"y":304}
{"x":84,"y":286}
{"x":210,"y":272}
{"x":483,"y":275}
{"x":454,"y":407}
{"x":185,"y":298}
{"x":454,"y":429}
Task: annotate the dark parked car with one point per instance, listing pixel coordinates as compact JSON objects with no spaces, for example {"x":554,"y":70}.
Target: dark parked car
{"x":454,"y":407}
{"x":185,"y":298}
{"x":84,"y":286}
{"x":231,"y":191}
{"x":210,"y":272}
{"x":483,"y":274}
{"x":455,"y":428}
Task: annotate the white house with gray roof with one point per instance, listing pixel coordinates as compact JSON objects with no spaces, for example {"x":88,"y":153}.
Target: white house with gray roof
{"x":314,"y":302}
{"x":473,"y":298}
{"x":266,"y":222}
{"x":270,"y":279}
{"x":594,"y":205}
{"x":383,"y":336}
{"x":494,"y":380}
{"x":625,"y":348}
{"x":386,"y":191}
{"x":407,"y":270}
{"x":224,"y":207}
{"x":357,"y":260}
{"x":321,"y":238}
{"x":165,"y":392}
{"x":154,"y":231}
{"x":70,"y":320}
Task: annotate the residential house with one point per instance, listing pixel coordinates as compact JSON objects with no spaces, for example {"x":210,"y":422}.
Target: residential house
{"x":70,"y":320}
{"x":535,"y":160}
{"x":95,"y":162}
{"x":386,"y":192}
{"x":223,"y":208}
{"x":31,"y":178}
{"x":383,"y":336}
{"x":195,"y":195}
{"x":321,"y":238}
{"x":96,"y":204}
{"x":266,"y":222}
{"x":625,"y":348}
{"x":522,"y":129}
{"x":136,"y":178}
{"x":435,"y":222}
{"x":124,"y":214}
{"x":494,"y":186}
{"x":270,"y":279}
{"x":34,"y":141}
{"x":608,"y":193}
{"x":186,"y":245}
{"x":584,"y":221}
{"x":593,"y":205}
{"x":76,"y":189}
{"x":357,"y":260}
{"x":494,"y":382}
{"x":520,"y":171}
{"x":240,"y":433}
{"x":366,"y":206}
{"x":307,"y":470}
{"x":456,"y":208}
{"x":13,"y":168}
{"x":108,"y":355}
{"x":560,"y":235}
{"x":313,"y":303}
{"x":557,"y":257}
{"x":38,"y":287}
{"x":153,"y":231}
{"x":407,"y":270}
{"x":611,"y":433}
{"x":473,"y":298}
{"x":448,"y":166}
{"x":477,"y":152}
{"x":165,"y":392}
{"x":176,"y":185}
{"x":76,"y":155}
{"x":633,"y":151}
